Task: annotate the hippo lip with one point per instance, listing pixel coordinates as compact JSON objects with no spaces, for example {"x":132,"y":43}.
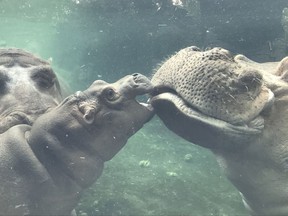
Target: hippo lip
{"x":17,"y":117}
{"x":255,"y":126}
{"x":21,"y":117}
{"x":14,"y":118}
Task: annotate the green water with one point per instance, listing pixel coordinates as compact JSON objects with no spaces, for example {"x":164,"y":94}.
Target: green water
{"x":85,"y":43}
{"x":198,"y":187}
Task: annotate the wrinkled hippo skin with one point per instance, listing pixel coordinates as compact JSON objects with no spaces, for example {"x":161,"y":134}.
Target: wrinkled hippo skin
{"x":52,"y":149}
{"x":238,"y":109}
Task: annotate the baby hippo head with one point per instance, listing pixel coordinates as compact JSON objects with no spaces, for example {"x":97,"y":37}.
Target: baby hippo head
{"x":212,"y":88}
{"x":104,"y":116}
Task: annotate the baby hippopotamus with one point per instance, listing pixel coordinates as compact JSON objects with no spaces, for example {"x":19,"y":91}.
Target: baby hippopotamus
{"x":51,"y":149}
{"x":238,"y":109}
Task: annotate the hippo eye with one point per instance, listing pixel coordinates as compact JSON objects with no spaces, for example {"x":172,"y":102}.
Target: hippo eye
{"x":43,"y":79}
{"x":3,"y":82}
{"x":110,"y":94}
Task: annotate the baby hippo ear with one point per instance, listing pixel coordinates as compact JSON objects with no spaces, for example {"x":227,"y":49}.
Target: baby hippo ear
{"x":282,"y":69}
{"x":88,"y":109}
{"x":89,"y":115}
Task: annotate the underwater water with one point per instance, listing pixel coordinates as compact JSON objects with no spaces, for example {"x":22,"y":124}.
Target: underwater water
{"x":181,"y":179}
{"x":157,"y":172}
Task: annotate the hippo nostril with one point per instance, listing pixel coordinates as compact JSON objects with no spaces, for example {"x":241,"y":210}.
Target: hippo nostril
{"x":89,"y":116}
{"x":135,"y":74}
{"x":136,"y":77}
{"x":194,"y":48}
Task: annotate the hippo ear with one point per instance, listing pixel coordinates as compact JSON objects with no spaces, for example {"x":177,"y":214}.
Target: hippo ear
{"x":89,"y":115}
{"x":282,"y":69}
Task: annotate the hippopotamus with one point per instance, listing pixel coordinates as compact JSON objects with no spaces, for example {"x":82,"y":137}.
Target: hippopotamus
{"x":52,"y":148}
{"x":237,"y":108}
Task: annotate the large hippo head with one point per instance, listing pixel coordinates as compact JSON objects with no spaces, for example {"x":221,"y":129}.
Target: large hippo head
{"x":28,"y":88}
{"x":211,"y":91}
{"x":238,"y":109}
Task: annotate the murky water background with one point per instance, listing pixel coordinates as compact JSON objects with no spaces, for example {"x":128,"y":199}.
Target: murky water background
{"x":87,"y":40}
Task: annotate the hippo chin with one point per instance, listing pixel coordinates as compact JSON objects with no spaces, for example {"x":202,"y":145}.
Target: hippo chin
{"x":238,"y":109}
{"x":52,"y":149}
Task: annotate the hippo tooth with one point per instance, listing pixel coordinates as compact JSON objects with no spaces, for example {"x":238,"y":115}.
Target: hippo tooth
{"x":146,"y":105}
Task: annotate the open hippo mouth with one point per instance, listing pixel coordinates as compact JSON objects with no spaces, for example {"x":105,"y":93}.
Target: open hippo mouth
{"x":205,"y":96}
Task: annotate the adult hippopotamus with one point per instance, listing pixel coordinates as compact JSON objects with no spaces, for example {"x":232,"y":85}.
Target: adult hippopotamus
{"x":51,"y":149}
{"x":238,"y":109}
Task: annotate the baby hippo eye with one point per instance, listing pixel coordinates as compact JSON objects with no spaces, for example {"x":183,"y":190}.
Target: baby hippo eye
{"x":110,"y":94}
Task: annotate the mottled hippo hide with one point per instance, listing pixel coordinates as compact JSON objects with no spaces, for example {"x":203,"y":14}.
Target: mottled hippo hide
{"x":51,"y":150}
{"x":237,"y":108}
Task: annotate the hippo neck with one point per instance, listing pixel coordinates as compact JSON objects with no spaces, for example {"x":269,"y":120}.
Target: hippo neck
{"x":65,"y":161}
{"x":262,"y":185}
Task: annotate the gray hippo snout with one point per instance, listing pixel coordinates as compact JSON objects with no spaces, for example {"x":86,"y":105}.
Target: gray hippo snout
{"x":129,"y":86}
{"x":136,"y":84}
{"x":141,"y":80}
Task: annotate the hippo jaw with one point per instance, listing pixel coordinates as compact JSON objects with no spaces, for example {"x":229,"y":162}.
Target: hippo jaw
{"x":198,"y":128}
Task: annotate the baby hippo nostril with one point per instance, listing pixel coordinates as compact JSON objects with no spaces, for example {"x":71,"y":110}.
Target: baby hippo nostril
{"x":89,"y":116}
{"x":136,"y":77}
{"x":140,"y":79}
